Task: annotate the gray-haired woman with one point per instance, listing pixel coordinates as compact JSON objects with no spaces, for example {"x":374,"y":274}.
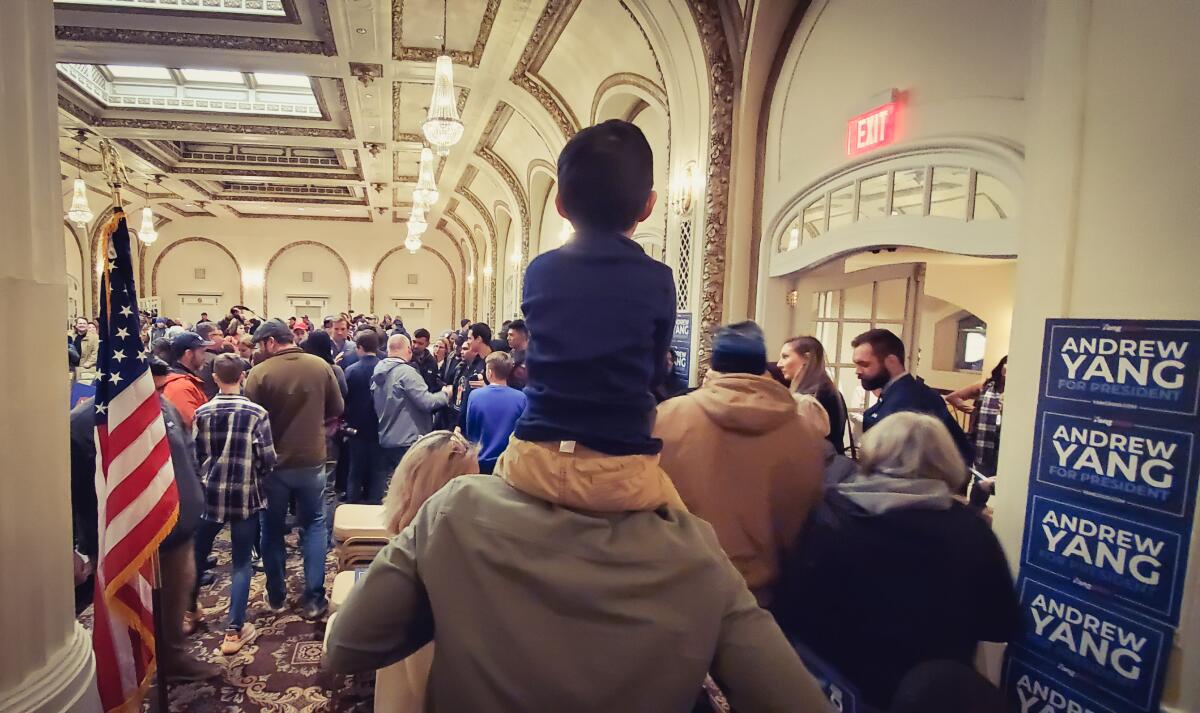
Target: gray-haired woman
{"x":892,"y":570}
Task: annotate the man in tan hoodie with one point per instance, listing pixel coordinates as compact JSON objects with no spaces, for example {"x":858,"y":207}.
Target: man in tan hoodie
{"x":742,"y":457}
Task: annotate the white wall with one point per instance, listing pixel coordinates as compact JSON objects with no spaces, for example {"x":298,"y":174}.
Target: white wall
{"x":176,"y":275}
{"x":432,"y":284}
{"x":284,"y":280}
{"x":985,"y":291}
{"x":1110,"y":219}
{"x":76,"y":274}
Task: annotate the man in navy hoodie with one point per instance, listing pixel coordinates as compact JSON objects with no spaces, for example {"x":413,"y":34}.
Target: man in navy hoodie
{"x":581,"y":389}
{"x":879,"y":362}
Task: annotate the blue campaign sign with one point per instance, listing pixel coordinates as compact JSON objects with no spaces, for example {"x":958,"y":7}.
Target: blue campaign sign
{"x":1118,"y":461}
{"x":1037,"y":689}
{"x":681,"y":344}
{"x":1149,"y":365}
{"x":1124,"y":561}
{"x":1108,"y":656}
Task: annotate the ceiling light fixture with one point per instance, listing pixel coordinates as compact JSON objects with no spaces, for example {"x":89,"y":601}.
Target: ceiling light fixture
{"x":442,"y":127}
{"x":79,"y":214}
{"x":426,"y":191}
{"x":416,"y":219}
{"x":413,"y":242}
{"x":147,"y":234}
{"x":361,"y":30}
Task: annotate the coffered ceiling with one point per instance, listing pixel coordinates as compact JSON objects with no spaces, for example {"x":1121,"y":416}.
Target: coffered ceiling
{"x":312,"y":109}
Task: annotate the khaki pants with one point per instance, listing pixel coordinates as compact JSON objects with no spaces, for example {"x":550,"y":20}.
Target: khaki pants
{"x":178,"y":567}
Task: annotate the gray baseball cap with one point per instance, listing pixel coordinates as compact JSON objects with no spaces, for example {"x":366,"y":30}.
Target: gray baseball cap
{"x":276,"y":328}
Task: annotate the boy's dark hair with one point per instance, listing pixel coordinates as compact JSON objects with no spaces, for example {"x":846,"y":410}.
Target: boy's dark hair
{"x":883,"y":342}
{"x":422,"y":332}
{"x":464,"y":323}
{"x":368,"y":340}
{"x":518,"y":325}
{"x":228,"y":368}
{"x":605,"y":175}
{"x":482,"y":331}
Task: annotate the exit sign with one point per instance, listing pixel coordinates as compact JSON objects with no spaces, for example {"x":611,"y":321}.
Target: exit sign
{"x":872,"y":130}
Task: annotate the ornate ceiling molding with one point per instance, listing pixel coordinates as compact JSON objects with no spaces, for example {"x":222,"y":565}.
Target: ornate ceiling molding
{"x":290,"y":16}
{"x":471,"y":198}
{"x":322,"y":27}
{"x":496,"y":124}
{"x":430,"y":54}
{"x":178,"y":126}
{"x":454,"y":305}
{"x":296,"y":244}
{"x":453,"y":216}
{"x":134,"y":147}
{"x":183,"y":241}
{"x":550,"y":25}
{"x":397,"y":135}
{"x":330,"y":218}
{"x":627,"y":79}
{"x":518,"y":191}
{"x":718,"y":61}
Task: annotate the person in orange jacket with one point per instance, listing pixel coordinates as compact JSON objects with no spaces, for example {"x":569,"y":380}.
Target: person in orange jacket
{"x":182,"y":386}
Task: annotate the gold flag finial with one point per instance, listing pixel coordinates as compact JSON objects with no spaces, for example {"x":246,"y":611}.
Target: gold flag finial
{"x":114,"y":169}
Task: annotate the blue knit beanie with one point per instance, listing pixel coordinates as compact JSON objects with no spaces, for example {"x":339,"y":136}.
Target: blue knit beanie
{"x":739,"y":349}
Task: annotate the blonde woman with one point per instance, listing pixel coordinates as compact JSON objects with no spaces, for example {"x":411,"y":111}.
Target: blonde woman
{"x":434,"y":460}
{"x":802,"y":361}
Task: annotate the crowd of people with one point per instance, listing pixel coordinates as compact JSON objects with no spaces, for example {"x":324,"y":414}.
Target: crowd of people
{"x":573,"y":529}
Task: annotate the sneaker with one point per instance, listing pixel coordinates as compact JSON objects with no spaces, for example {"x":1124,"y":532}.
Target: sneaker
{"x":272,"y":606}
{"x":313,"y":610}
{"x":256,"y":563}
{"x":235,"y":640}
{"x":207,"y":578}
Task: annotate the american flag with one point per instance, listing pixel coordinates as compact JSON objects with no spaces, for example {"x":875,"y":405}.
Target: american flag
{"x":137,"y":503}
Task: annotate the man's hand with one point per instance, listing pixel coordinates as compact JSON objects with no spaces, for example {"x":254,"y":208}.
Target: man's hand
{"x":447,"y":390}
{"x":338,"y":359}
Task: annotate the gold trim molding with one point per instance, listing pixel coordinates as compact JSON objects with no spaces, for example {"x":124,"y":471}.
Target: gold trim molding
{"x":430,"y":54}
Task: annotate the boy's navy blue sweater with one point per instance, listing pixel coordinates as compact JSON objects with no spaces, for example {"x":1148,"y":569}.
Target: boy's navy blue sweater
{"x":600,"y":313}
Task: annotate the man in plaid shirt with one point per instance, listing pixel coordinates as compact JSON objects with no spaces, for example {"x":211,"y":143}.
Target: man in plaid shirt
{"x":236,"y":453}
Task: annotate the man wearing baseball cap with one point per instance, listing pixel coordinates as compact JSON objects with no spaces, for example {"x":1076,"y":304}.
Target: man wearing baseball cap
{"x":182,"y":385}
{"x":300,"y":393}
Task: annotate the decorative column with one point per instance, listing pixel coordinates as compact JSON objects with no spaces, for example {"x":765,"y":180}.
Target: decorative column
{"x":46,"y":663}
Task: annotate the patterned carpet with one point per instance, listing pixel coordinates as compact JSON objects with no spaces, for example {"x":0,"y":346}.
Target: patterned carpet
{"x":280,"y":671}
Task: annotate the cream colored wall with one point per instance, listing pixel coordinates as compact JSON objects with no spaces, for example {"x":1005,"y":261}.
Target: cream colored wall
{"x":931,"y":339}
{"x":551,"y":223}
{"x":253,"y":242}
{"x":285,"y":278}
{"x":653,"y":124}
{"x":984,"y":291}
{"x":176,"y":275}
{"x":847,"y":52}
{"x":76,"y":306}
{"x":392,"y":281}
{"x":1110,"y":220}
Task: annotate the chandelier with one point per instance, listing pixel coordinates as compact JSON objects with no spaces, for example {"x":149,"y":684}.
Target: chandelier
{"x":416,"y":219}
{"x":147,"y":234}
{"x":442,"y":127}
{"x":426,"y":191}
{"x":413,"y":242}
{"x":79,"y":214}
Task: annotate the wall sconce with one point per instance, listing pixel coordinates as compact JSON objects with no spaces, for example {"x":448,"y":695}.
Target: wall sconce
{"x":252,"y":278}
{"x":360,"y":280}
{"x":685,"y":188}
{"x":793,"y":298}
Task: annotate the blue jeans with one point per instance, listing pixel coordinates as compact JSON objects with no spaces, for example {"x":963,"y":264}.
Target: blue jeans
{"x":308,"y":485}
{"x":365,"y":458}
{"x":389,"y":458}
{"x":241,"y":534}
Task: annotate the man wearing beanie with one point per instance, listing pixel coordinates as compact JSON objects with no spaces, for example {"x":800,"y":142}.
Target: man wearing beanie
{"x":742,"y":457}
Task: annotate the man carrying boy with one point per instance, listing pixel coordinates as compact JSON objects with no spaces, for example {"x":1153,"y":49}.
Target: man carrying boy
{"x":236,"y":453}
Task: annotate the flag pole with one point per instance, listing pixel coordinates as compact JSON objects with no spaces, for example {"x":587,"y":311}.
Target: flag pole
{"x":114,"y":170}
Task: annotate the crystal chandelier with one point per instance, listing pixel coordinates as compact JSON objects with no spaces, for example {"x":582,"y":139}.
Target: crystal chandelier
{"x":147,"y":234}
{"x":79,"y":214}
{"x":426,"y":191}
{"x":442,"y":127}
{"x":413,"y":242}
{"x":416,"y":219}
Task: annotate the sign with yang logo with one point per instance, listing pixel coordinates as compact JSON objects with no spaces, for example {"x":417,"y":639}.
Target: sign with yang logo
{"x":1118,"y":461}
{"x":1112,"y":497}
{"x":1130,"y":561}
{"x":681,"y":345}
{"x":1109,"y":656}
{"x":1152,"y":366}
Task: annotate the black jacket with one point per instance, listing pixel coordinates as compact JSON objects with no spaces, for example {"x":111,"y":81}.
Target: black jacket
{"x":874,"y":595}
{"x":908,"y":394}
{"x":426,"y":363}
{"x":83,"y":476}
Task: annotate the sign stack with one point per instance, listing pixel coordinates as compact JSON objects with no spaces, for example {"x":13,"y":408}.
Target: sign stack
{"x":1112,"y":495}
{"x":681,"y":344}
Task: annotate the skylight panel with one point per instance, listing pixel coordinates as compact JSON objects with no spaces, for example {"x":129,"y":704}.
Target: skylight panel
{"x":217,"y":76}
{"x":126,"y":71}
{"x":269,"y":8}
{"x":269,"y":79}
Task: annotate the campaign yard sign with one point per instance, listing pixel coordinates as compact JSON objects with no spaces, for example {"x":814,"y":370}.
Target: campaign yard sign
{"x":1125,"y":561}
{"x":681,"y":344}
{"x":1108,"y":656}
{"x":1112,"y":497}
